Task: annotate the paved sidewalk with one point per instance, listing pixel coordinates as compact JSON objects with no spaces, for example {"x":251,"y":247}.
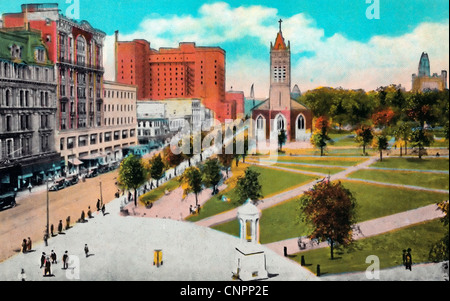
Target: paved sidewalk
{"x":281,"y":197}
{"x":367,"y":229}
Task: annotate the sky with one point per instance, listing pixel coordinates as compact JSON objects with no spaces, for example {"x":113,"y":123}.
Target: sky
{"x":354,"y":44}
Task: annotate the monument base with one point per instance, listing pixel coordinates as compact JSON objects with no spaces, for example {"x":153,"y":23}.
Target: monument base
{"x":250,"y":262}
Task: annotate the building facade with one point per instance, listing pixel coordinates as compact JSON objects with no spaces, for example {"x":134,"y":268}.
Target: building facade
{"x":76,"y":48}
{"x":27,"y":110}
{"x":188,"y":71}
{"x":280,"y":111}
{"x":423,"y":80}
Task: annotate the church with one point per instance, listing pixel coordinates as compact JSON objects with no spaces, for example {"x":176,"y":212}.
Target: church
{"x":280,"y":111}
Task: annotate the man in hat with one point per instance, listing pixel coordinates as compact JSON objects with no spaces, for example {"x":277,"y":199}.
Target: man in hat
{"x":65,"y":260}
{"x":42,"y":260}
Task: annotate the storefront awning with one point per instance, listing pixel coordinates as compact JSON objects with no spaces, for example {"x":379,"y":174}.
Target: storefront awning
{"x":75,"y":162}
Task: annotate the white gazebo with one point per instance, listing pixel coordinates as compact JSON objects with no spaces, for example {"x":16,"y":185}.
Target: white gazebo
{"x":250,"y":259}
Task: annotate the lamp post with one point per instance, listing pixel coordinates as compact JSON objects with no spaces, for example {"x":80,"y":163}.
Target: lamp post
{"x":47,"y":229}
{"x":101,"y":196}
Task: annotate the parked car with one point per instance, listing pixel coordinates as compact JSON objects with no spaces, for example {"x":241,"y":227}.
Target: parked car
{"x":7,"y":200}
{"x":71,"y":180}
{"x":92,"y":173}
{"x":58,"y":185}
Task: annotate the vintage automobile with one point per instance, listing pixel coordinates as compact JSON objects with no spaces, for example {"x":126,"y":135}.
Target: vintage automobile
{"x":58,"y":184}
{"x":71,"y":180}
{"x":92,"y":173}
{"x":7,"y":200}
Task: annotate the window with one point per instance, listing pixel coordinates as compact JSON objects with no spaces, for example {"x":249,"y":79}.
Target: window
{"x":116,"y":135}
{"x":70,"y":142}
{"x":82,"y":140}
{"x":107,"y":136}
{"x":61,"y":144}
{"x":93,"y":139}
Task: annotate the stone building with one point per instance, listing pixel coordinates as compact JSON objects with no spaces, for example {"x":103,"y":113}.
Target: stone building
{"x":280,"y":111}
{"x":27,"y":110}
{"x":423,"y":80}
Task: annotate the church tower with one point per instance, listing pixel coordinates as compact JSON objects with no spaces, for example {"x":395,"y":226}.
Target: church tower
{"x":280,"y":74}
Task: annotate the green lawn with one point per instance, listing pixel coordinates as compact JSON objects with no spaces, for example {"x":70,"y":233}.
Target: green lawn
{"x":324,"y":170}
{"x":272,"y":181}
{"x":344,"y":161}
{"x":282,"y":221}
{"x":157,"y":193}
{"x":414,"y":163}
{"x":422,"y":179}
{"x":388,"y":247}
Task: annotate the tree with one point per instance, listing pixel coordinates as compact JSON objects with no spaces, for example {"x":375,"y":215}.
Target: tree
{"x":421,"y":138}
{"x":132,"y":175}
{"x":171,"y":159}
{"x":383,"y":118}
{"x":330,"y":209}
{"x":211,"y":173}
{"x":440,"y":250}
{"x":225,"y":159}
{"x":157,"y":168}
{"x":320,"y":136}
{"x":248,"y":186}
{"x":282,"y":138}
{"x":364,"y":136}
{"x":381,"y":144}
{"x":402,"y":133}
{"x":192,"y":182}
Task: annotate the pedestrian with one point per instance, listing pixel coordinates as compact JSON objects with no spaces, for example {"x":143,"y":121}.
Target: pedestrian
{"x":190,"y":209}
{"x":98,"y":204}
{"x":23,"y":276}
{"x":65,"y":260}
{"x":82,"y":216}
{"x":68,"y":223}
{"x":103,"y":209}
{"x":408,"y":259}
{"x":89,"y":212}
{"x":86,"y":250}
{"x":42,"y":260}
{"x":29,"y":187}
{"x":51,"y":230}
{"x":46,"y":239}
{"x":404,"y":257}
{"x":29,"y":244}
{"x":53,"y":257}
{"x":47,"y":269}
{"x":60,"y":226}
{"x":24,"y":245}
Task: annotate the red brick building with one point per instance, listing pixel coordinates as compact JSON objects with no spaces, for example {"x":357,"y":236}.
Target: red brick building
{"x":280,"y":111}
{"x":188,"y":71}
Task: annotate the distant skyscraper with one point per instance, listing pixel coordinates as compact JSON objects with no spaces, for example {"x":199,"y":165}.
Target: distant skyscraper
{"x":424,"y":81}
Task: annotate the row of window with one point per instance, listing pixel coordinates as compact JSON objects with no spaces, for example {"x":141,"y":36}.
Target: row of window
{"x":93,"y":139}
{"x":32,"y":73}
{"x":118,"y":94}
{"x":119,"y":121}
{"x":13,"y":148}
{"x":23,"y":122}
{"x":25,"y":98}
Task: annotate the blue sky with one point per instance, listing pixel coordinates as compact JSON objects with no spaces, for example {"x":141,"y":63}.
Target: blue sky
{"x":333,"y":42}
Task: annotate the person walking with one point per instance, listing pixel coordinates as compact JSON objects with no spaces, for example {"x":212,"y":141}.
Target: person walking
{"x":29,"y":244}
{"x":53,"y":257}
{"x":103,"y":209}
{"x":98,"y":204}
{"x":51,"y":230}
{"x":46,"y":239}
{"x":47,"y":269}
{"x":60,"y":227}
{"x":86,"y":250}
{"x":24,"y":245}
{"x":89,"y":212}
{"x":68,"y":223}
{"x":42,"y":260}
{"x":82,"y":216}
{"x":408,"y":259}
{"x":65,"y":259}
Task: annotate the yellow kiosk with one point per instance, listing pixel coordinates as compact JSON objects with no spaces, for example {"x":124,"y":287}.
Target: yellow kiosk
{"x":157,"y":258}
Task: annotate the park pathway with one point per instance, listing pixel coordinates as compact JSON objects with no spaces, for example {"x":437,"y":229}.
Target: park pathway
{"x":283,"y":196}
{"x":367,"y":228}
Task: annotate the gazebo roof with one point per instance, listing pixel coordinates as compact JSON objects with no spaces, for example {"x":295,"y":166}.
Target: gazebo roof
{"x":248,"y":209}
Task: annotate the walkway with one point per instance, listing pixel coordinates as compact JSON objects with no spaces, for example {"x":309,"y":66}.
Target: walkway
{"x":367,"y":229}
{"x":281,"y":197}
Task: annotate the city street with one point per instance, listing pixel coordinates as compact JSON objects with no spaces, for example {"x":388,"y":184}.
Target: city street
{"x":29,"y":217}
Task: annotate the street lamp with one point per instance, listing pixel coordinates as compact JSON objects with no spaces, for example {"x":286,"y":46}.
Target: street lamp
{"x":101,"y":196}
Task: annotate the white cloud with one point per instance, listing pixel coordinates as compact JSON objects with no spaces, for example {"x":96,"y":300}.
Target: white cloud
{"x":332,"y":61}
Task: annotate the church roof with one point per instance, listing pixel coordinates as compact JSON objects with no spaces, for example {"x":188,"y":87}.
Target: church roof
{"x":295,"y":105}
{"x":279,"y":42}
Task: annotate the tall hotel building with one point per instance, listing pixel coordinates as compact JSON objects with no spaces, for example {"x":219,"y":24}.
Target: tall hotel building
{"x":76,"y":48}
{"x":188,"y":71}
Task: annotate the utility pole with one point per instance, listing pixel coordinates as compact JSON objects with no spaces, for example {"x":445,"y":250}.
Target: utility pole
{"x":101,"y":196}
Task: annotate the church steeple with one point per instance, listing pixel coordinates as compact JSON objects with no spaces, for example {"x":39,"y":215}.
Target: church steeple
{"x":279,"y":41}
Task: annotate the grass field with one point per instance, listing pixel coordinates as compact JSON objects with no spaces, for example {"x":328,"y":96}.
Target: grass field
{"x":333,"y":161}
{"x":388,"y":247}
{"x":422,"y":179}
{"x":157,"y":193}
{"x":283,"y":220}
{"x":323,"y":170}
{"x":272,"y":181}
{"x":414,"y":163}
